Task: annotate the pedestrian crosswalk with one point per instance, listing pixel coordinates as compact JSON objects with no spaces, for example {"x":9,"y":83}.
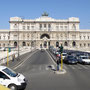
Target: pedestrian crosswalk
{"x":65,"y":66}
{"x":43,"y":67}
{"x":77,"y":67}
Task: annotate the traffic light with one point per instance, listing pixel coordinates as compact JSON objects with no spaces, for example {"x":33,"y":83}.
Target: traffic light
{"x":9,"y":49}
{"x":61,"y":49}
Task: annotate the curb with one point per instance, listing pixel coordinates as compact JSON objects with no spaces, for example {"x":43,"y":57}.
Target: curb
{"x":60,"y":71}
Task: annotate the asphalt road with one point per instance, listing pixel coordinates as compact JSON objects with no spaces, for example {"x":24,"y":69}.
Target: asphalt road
{"x":39,"y":68}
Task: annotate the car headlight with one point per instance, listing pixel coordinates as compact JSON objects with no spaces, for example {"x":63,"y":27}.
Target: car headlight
{"x":20,"y":80}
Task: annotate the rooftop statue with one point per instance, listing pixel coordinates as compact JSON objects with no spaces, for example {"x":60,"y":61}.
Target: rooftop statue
{"x":45,"y":14}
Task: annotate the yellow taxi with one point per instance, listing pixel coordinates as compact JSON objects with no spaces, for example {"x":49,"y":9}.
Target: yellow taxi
{"x":3,"y":87}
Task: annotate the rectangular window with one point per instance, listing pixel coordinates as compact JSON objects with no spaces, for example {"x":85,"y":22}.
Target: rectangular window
{"x":61,"y":27}
{"x":32,"y":27}
{"x":65,"y":27}
{"x":88,"y":44}
{"x":88,"y":37}
{"x":28,"y":27}
{"x":80,"y":37}
{"x":40,"y":26}
{"x":49,"y":25}
{"x":23,"y":27}
{"x":73,"y":36}
{"x":44,"y":25}
{"x":84,"y":37}
{"x":57,"y":27}
{"x":8,"y":37}
{"x":15,"y":36}
{"x":4,"y":37}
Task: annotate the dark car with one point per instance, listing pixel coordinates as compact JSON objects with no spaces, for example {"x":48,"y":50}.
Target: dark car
{"x":70,"y":59}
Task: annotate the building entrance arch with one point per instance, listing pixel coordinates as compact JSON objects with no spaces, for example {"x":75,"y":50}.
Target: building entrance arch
{"x":45,"y":42}
{"x":44,"y":35}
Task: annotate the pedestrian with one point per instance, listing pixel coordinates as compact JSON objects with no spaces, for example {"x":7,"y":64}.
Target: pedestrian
{"x":13,"y":57}
{"x":58,"y":63}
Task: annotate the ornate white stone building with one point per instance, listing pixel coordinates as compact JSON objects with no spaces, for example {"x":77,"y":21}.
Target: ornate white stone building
{"x":45,"y":31}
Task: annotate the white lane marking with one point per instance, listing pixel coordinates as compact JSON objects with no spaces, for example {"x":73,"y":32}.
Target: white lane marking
{"x":47,"y":67}
{"x":51,"y":57}
{"x":53,"y":67}
{"x":71,"y":66}
{"x":64,"y":66}
{"x":83,"y":66}
{"x":23,"y":61}
{"x":40,"y":68}
{"x":78,"y":67}
{"x":87,"y":66}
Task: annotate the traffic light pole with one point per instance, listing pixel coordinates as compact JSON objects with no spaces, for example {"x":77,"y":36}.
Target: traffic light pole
{"x":61,"y":51}
{"x":61,"y":62}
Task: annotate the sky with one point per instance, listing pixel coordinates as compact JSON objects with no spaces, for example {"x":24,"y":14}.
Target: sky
{"x":32,"y":9}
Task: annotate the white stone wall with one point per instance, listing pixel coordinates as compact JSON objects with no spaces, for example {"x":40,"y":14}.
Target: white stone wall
{"x":61,"y":31}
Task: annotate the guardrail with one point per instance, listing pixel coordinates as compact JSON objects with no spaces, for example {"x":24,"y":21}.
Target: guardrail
{"x":10,"y":57}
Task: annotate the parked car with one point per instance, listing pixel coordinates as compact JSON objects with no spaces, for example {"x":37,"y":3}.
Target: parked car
{"x":64,"y":55}
{"x":84,"y":59}
{"x":11,"y":79}
{"x":70,"y":59}
{"x":2,"y":49}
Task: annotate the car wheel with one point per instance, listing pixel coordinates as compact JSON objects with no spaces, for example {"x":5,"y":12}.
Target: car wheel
{"x":13,"y":87}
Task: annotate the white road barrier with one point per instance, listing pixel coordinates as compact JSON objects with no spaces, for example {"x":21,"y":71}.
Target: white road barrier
{"x":3,"y":54}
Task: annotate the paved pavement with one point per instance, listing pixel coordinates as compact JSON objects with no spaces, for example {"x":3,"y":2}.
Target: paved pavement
{"x":38,"y":68}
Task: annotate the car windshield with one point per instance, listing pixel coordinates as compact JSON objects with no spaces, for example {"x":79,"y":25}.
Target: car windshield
{"x":84,"y":57}
{"x":64,"y":54}
{"x":70,"y":57}
{"x":10,"y":72}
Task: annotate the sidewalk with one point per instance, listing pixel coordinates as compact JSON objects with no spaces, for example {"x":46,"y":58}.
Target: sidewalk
{"x":3,"y":54}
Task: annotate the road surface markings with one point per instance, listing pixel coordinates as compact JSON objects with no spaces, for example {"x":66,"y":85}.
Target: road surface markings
{"x":47,"y":68}
{"x":83,"y":66}
{"x":78,"y":67}
{"x":64,"y":66}
{"x":50,"y":57}
{"x":22,"y":62}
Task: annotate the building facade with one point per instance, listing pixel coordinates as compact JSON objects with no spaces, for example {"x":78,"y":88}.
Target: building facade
{"x":45,"y":31}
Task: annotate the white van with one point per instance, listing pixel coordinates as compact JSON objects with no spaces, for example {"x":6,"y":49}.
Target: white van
{"x":11,"y":79}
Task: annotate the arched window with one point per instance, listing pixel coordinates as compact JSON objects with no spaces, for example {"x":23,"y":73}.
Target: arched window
{"x":15,"y":44}
{"x":32,"y":43}
{"x":49,"y":43}
{"x":80,"y":45}
{"x":45,"y":35}
{"x":24,"y":44}
{"x":57,"y":44}
{"x":65,"y":44}
{"x":73,"y":43}
{"x":74,"y":27}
